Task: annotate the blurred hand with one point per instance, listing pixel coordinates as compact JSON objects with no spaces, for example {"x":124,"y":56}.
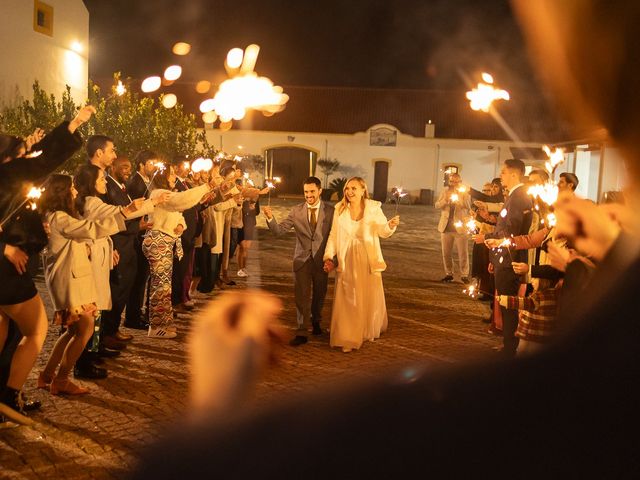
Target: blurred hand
{"x":490,"y":268}
{"x":179,"y":229}
{"x":160,"y":199}
{"x":328,"y":266}
{"x":625,"y":216}
{"x":231,"y":342}
{"x":83,"y":116}
{"x":503,"y":300}
{"x":17,"y":257}
{"x":144,"y":225}
{"x":394,"y":222}
{"x":520,"y":268}
{"x":591,"y":227}
{"x":558,"y":257}
{"x":134,"y":206}
{"x":492,"y":242}
{"x":478,"y":238}
{"x":481,"y":205}
{"x":116,"y":258}
{"x":267,"y":212}
{"x":35,"y":137}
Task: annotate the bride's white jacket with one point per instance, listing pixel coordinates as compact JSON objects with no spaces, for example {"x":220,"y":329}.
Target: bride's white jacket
{"x":375,"y":226}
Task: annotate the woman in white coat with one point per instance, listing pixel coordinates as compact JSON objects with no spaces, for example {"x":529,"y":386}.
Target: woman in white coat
{"x":90,"y":182}
{"x":69,"y":277}
{"x":359,"y":310}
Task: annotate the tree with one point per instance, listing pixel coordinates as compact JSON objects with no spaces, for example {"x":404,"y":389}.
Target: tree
{"x":135,"y":122}
{"x":327,"y":167}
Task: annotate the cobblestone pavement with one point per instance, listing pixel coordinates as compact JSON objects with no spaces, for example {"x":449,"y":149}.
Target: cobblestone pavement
{"x":99,"y":435}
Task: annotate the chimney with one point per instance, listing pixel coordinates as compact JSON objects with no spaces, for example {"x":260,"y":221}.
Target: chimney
{"x":430,"y":130}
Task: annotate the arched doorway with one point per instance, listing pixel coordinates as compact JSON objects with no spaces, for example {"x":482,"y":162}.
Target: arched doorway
{"x":292,"y":164}
{"x":380,"y":180}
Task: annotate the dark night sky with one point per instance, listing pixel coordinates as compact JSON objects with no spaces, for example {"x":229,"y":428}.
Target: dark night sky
{"x":354,"y":43}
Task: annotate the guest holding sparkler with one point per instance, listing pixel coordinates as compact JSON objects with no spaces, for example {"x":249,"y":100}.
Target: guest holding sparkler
{"x":455,"y":205}
{"x":146,"y":162}
{"x":159,"y":245}
{"x":359,"y":309}
{"x":70,"y":279}
{"x":19,"y":299}
{"x":514,"y":219}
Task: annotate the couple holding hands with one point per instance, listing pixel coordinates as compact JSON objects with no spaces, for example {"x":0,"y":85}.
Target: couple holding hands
{"x":345,"y":237}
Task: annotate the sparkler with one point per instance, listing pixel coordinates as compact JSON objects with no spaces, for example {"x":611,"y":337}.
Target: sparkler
{"x":118,"y":91}
{"x":201,"y":165}
{"x":473,"y":290}
{"x":506,"y":243}
{"x":160,"y":167}
{"x":454,"y":197}
{"x":31,"y":197}
{"x":271,"y":186}
{"x":483,"y":96}
{"x":398,"y":193}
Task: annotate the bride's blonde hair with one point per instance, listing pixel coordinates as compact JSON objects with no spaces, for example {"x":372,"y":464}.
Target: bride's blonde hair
{"x":344,"y":202}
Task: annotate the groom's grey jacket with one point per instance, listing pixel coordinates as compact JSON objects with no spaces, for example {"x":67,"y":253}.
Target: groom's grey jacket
{"x":308,"y":244}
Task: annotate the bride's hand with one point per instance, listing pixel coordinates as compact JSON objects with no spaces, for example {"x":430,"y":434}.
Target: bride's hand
{"x":394,"y":222}
{"x":328,"y":266}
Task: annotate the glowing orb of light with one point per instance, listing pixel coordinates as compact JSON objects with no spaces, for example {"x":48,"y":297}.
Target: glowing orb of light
{"x":151,"y":84}
{"x":169,"y":100}
{"x":181,"y":48}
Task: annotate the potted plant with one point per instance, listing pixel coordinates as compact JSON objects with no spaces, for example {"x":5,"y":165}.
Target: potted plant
{"x":327,"y":167}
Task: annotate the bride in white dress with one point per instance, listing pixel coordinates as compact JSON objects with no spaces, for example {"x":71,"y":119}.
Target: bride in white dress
{"x":359,"y":310}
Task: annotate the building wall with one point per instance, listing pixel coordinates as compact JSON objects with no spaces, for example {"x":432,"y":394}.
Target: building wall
{"x":27,"y":55}
{"x":416,"y":163}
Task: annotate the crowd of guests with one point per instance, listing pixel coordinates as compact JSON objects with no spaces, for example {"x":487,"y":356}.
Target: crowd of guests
{"x":519,"y":261}
{"x":112,"y":241}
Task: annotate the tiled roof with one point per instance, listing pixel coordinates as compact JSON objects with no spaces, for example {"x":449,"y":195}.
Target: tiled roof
{"x":351,"y":110}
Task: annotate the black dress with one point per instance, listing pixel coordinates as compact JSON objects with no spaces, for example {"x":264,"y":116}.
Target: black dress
{"x":24,"y":228}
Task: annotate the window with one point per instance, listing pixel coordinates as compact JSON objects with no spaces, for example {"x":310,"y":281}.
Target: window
{"x":43,"y":18}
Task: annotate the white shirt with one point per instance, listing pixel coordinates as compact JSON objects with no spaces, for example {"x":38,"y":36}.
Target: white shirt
{"x":121,"y":185}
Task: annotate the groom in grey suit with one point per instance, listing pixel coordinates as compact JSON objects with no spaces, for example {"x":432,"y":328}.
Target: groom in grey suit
{"x":312,"y":222}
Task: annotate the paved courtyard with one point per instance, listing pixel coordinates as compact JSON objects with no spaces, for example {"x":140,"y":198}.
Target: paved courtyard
{"x":100,"y":435}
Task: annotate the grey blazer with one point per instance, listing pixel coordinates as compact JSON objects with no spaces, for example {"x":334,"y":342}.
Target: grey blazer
{"x":307,"y":244}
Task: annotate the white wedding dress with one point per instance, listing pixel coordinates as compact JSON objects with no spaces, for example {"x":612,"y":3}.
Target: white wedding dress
{"x":359,"y":309}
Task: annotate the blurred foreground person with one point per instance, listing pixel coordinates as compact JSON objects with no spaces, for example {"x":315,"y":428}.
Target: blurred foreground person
{"x":568,"y":412}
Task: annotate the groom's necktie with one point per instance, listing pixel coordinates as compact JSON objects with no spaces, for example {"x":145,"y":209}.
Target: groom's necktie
{"x":313,"y":221}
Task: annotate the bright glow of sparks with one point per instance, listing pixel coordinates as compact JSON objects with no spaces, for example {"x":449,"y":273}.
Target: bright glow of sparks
{"x":270,"y":184}
{"x":151,"y":84}
{"x":547,"y":192}
{"x":35,"y":154}
{"x":503,"y":212}
{"x":551,"y":219}
{"x":462,"y":189}
{"x":455,"y":197}
{"x":160,"y":166}
{"x":120,"y":89}
{"x":458,"y":224}
{"x":485,"y":94}
{"x":277,"y":179}
{"x":33,"y":195}
{"x":201,"y":165}
{"x":471,"y":226}
{"x":555,"y":158}
{"x":234,"y":57}
{"x":505,"y":243}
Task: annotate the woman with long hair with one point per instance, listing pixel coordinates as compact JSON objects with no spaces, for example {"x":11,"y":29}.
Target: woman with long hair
{"x":359,"y":310}
{"x":159,"y":244}
{"x":19,"y":299}
{"x":90,"y":182}
{"x":69,"y":278}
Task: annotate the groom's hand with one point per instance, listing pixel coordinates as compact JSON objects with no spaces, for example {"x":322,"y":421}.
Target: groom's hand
{"x":328,"y":266}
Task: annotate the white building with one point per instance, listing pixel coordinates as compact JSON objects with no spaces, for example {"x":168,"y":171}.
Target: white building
{"x":47,"y":41}
{"x":411,"y":139}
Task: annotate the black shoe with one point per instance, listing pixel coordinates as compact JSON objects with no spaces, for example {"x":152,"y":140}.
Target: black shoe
{"x":447,"y":279}
{"x":316,"y":329}
{"x":12,"y":406}
{"x":89,"y":371}
{"x":298,"y":340}
{"x":137,"y":325}
{"x":464,"y":280}
{"x":231,"y":283}
{"x":30,"y":405}
{"x":488,"y":319}
{"x":105,"y":352}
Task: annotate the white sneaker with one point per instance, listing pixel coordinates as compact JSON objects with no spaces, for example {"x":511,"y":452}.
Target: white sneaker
{"x":161,"y":332}
{"x":242,"y":273}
